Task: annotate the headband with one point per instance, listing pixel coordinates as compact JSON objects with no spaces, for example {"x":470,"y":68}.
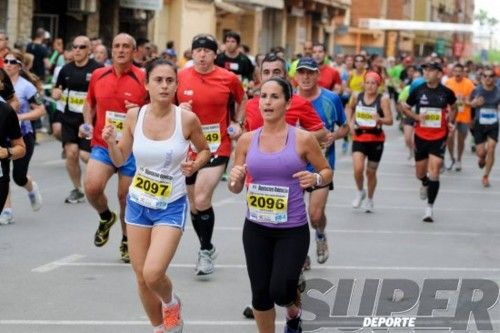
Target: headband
{"x":206,"y":43}
{"x":375,"y":76}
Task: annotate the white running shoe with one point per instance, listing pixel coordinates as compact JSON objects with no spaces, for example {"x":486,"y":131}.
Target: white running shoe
{"x":458,"y":166}
{"x":322,"y":253}
{"x":6,"y":217}
{"x":428,"y":215}
{"x":360,"y":196}
{"x":205,"y":264}
{"x":35,"y":197}
{"x":368,"y":205}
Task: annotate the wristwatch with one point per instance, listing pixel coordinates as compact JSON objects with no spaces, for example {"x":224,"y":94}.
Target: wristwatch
{"x":9,"y":153}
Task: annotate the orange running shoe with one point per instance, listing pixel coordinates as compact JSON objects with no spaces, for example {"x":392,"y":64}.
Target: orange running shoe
{"x":172,"y":317}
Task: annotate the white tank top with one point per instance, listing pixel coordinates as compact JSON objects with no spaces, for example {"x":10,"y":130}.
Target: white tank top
{"x":158,"y":179}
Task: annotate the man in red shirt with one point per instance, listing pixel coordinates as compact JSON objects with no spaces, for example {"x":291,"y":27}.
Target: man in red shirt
{"x":329,"y":78}
{"x":207,"y":90}
{"x":110,"y":89}
{"x":4,"y":47}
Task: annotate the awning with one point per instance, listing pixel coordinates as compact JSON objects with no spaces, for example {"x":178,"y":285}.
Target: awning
{"x":227,"y":7}
{"x":278,"y":4}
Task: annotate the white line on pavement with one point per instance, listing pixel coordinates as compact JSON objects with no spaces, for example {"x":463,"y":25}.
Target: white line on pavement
{"x":411,"y":189}
{"x":122,"y":322}
{"x":55,"y":264}
{"x":324,"y":267}
{"x":411,"y":175}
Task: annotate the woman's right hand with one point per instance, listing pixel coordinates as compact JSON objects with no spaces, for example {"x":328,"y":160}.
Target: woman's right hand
{"x":109,"y":134}
{"x":237,"y":174}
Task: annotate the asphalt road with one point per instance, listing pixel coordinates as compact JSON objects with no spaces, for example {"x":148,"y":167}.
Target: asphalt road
{"x":53,"y":279}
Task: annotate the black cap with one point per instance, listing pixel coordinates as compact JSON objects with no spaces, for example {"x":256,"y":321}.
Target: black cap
{"x":433,"y":65}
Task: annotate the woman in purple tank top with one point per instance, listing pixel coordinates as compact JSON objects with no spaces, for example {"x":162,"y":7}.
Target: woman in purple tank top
{"x":273,"y":159}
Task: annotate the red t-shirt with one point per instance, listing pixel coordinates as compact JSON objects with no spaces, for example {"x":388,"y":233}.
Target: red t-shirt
{"x":328,"y":77}
{"x":107,"y":93}
{"x":211,"y":94}
{"x":300,"y":112}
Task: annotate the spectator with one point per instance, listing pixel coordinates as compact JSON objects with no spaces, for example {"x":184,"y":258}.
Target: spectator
{"x":40,"y":53}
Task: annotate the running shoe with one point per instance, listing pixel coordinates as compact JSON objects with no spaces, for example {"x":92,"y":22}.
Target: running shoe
{"x":307,"y":264}
{"x":248,"y":312}
{"x":124,"y":251}
{"x":368,"y":206}
{"x":6,"y":217}
{"x":172,"y":317}
{"x":224,"y":177}
{"x":428,"y":215}
{"x":423,"y":192}
{"x":205,"y":264}
{"x":486,"y":182}
{"x":322,"y":250}
{"x":360,"y":196}
{"x":458,"y":166}
{"x":35,"y":197}
{"x":75,"y":196}
{"x":102,"y":234}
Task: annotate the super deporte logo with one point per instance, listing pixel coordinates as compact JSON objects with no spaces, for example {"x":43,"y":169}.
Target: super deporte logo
{"x":384,"y":304}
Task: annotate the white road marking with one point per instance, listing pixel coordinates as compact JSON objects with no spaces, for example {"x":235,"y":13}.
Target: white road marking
{"x":319,"y":267}
{"x":124,"y":323}
{"x":56,"y":264}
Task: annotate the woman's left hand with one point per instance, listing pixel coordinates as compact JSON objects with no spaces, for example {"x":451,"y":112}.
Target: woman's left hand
{"x":306,"y":179}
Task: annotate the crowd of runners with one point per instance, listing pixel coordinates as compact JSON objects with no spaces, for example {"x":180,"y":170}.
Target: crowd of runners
{"x":172,"y":128}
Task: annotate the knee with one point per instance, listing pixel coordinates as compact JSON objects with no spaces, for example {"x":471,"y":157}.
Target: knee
{"x":201,"y":201}
{"x":19,"y":179}
{"x":315,"y":214}
{"x":71,"y":155}
{"x":152,"y":277}
{"x":92,"y":189}
{"x":282,"y":294}
{"x":122,"y":197}
{"x":371,"y":172}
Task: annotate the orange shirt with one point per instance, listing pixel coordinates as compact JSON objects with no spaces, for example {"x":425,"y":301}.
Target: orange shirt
{"x":462,"y":91}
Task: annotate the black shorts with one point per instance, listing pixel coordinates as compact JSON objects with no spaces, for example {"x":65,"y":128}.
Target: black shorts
{"x":70,"y":124}
{"x":373,"y":150}
{"x":314,"y":188}
{"x":214,"y":161}
{"x":483,"y":132}
{"x":407,"y":121}
{"x":55,"y":116}
{"x":424,"y":148}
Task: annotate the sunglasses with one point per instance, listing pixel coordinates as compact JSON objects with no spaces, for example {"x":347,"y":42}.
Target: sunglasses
{"x":11,"y":61}
{"x":81,"y":47}
{"x":359,"y":60}
{"x":491,"y":76}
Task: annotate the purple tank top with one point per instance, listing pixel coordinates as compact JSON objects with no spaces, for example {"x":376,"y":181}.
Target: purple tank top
{"x":274,"y":198}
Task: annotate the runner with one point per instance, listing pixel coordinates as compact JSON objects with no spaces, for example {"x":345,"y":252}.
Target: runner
{"x":207,"y":90}
{"x":329,"y":77}
{"x":276,"y":238}
{"x":12,"y":147}
{"x":158,"y":134}
{"x":367,"y":113}
{"x":485,"y":100}
{"x":71,"y":86}
{"x":329,"y":107}
{"x":433,"y":121}
{"x":462,"y":87}
{"x":110,"y":88}
{"x":31,"y":108}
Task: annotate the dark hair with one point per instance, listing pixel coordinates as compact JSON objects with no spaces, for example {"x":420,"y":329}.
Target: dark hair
{"x":232,"y":34}
{"x":155,"y":62}
{"x":170,"y":44}
{"x":285,"y":86}
{"x":320,"y":44}
{"x":458,"y":65}
{"x":141,"y":41}
{"x":245,"y":48}
{"x":272,"y":57}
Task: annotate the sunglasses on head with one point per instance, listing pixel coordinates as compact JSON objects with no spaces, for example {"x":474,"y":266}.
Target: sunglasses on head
{"x":11,"y":61}
{"x":359,"y":60}
{"x":81,"y":47}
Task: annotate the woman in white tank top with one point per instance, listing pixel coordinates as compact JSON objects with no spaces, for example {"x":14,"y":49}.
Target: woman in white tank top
{"x":159,"y":135}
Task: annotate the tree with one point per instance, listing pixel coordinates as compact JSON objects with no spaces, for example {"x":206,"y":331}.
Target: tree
{"x":485,"y":20}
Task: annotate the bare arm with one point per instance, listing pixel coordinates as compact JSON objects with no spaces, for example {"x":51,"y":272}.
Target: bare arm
{"x":18,"y":149}
{"x":238,"y":172}
{"x":195,"y":135}
{"x":37,"y":111}
{"x":120,"y":151}
{"x":311,"y":152}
